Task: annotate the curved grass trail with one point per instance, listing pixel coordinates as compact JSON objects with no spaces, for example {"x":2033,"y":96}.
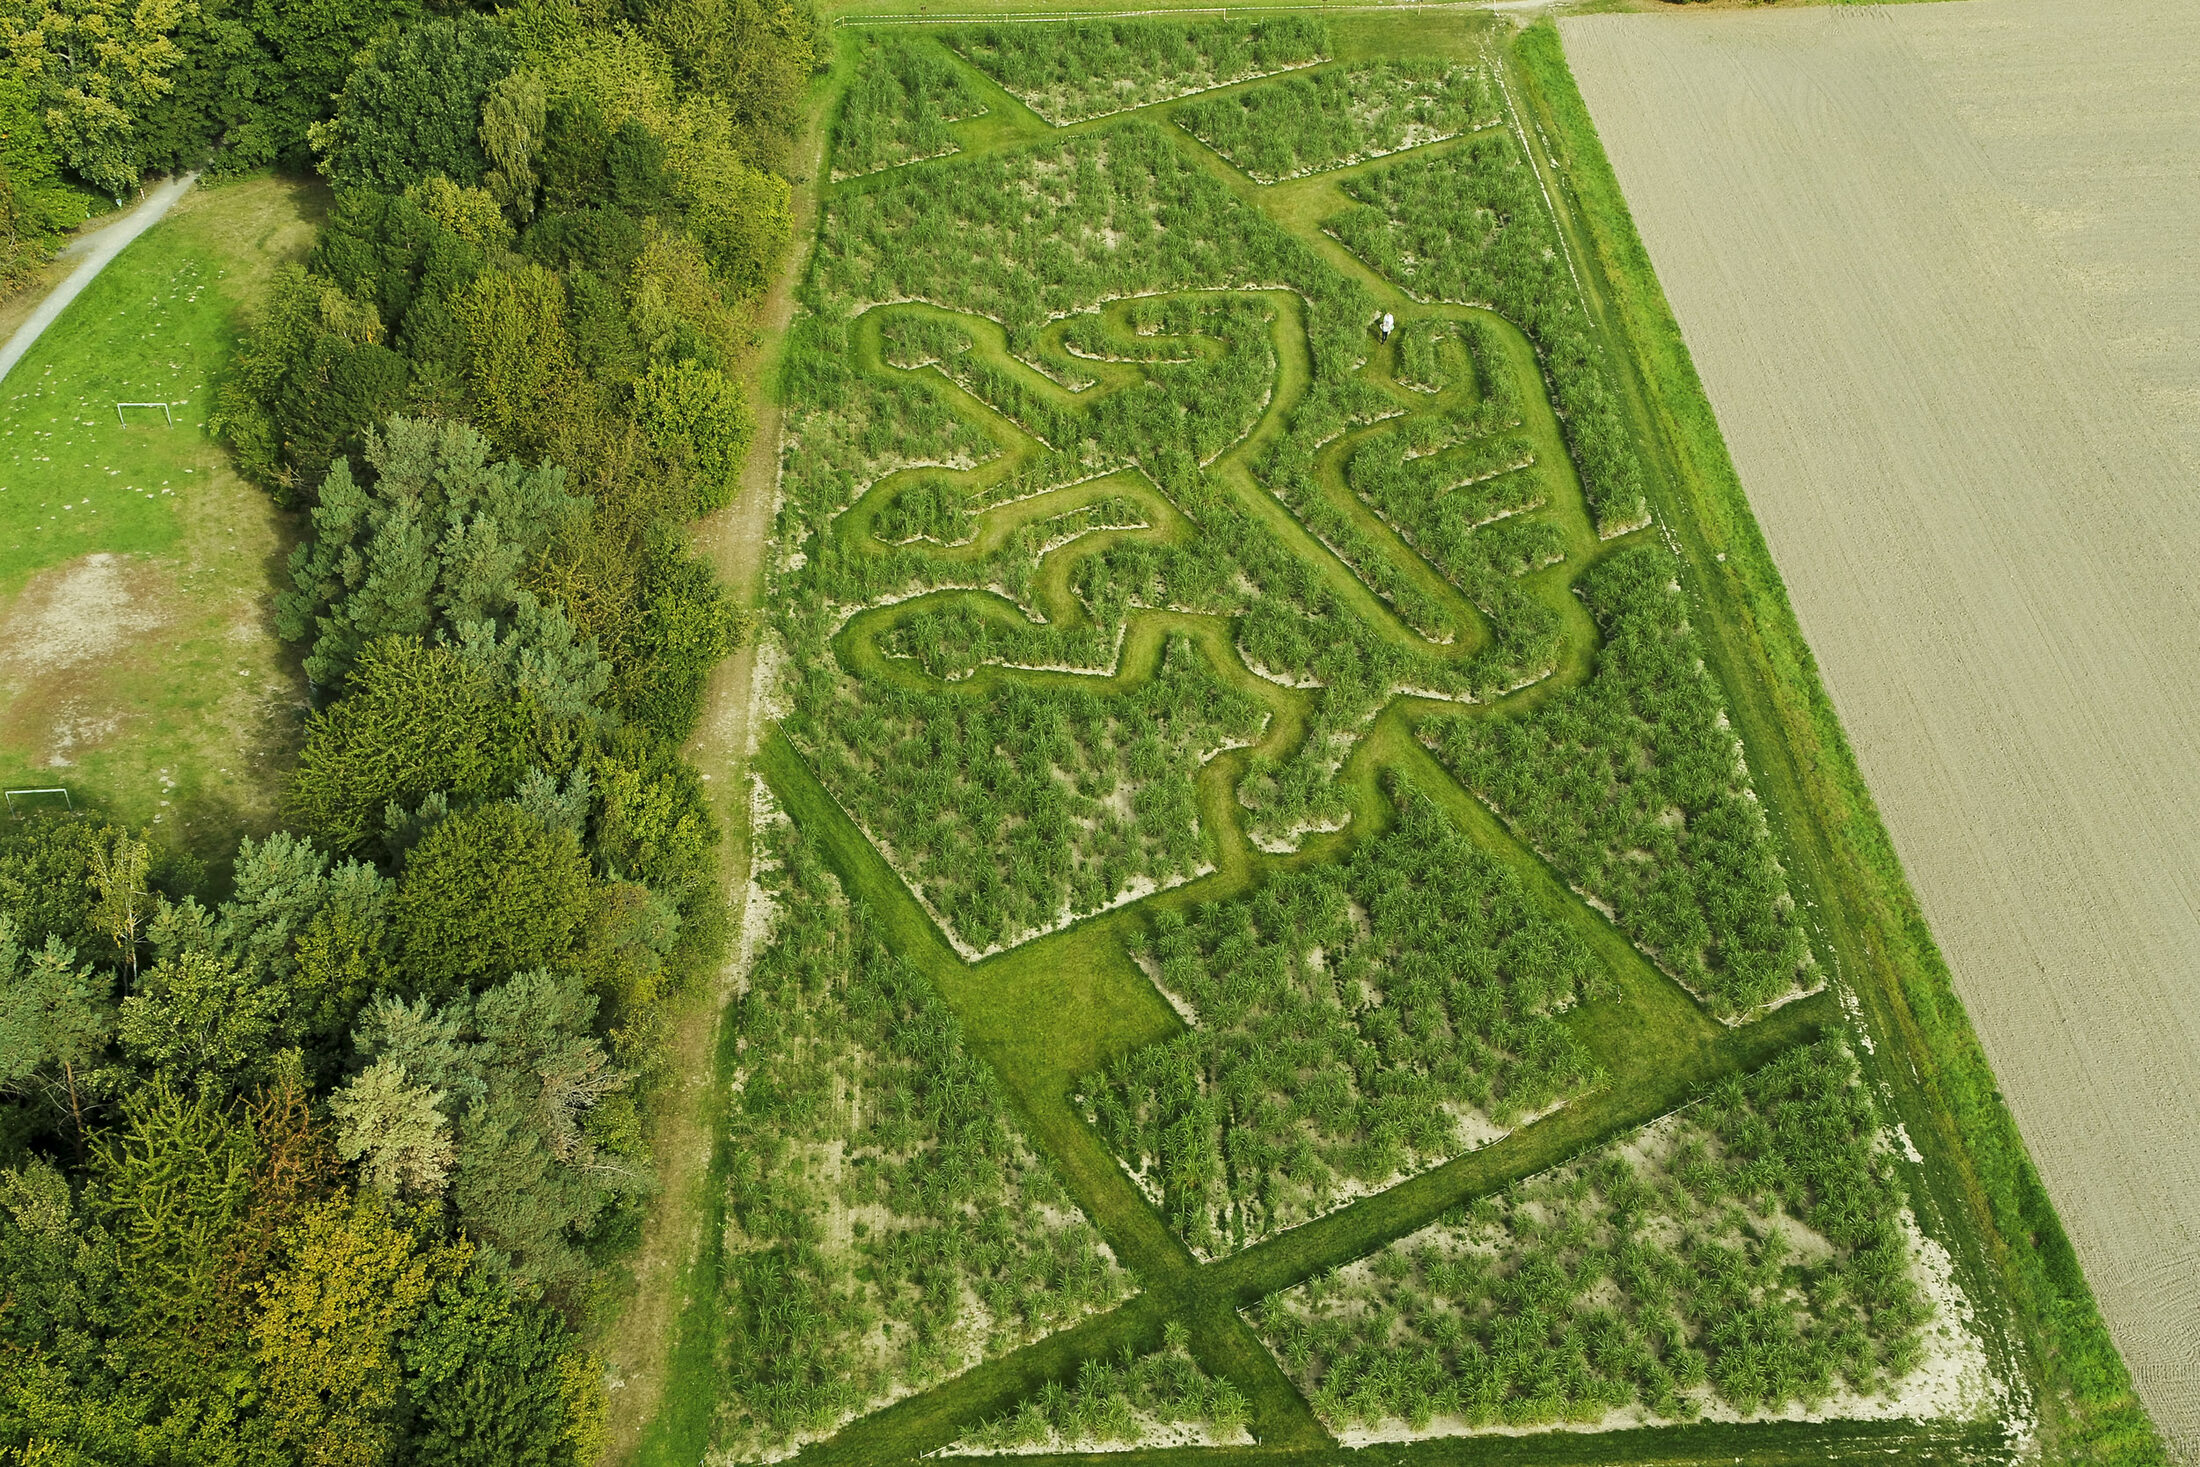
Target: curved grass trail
{"x":1060,"y":1006}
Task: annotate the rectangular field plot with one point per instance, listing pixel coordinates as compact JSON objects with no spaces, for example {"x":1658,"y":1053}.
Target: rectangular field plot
{"x":1078,"y":72}
{"x":1941,"y":293}
{"x":1304,"y":125}
{"x":898,"y":108}
{"x":1723,"y":1260}
{"x":1235,"y":707}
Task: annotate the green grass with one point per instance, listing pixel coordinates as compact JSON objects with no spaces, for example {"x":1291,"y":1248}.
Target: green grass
{"x":154,"y":327}
{"x":1889,"y":953}
{"x":149,"y":683}
{"x":1069,"y":1003}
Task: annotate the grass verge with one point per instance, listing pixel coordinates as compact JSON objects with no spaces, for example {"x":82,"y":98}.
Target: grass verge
{"x":2090,"y":1412}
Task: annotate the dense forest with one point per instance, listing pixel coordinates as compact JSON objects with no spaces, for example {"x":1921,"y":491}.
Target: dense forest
{"x":324,"y":1154}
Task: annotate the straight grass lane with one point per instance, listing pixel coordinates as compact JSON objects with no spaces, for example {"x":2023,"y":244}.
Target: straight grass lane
{"x":1012,"y":1009}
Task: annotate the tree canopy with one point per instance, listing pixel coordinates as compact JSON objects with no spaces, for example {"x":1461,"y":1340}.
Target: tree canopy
{"x":315,"y":1154}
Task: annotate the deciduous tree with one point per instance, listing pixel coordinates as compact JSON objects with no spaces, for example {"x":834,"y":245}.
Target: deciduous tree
{"x":94,"y":66}
{"x":412,"y":105}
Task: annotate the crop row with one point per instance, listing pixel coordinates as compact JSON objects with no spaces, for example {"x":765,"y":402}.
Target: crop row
{"x":1749,"y":1249}
{"x":1072,"y":73}
{"x":874,"y":1183}
{"x":1470,"y":225}
{"x":1339,"y":116}
{"x":1634,"y":786}
{"x":898,"y":107}
{"x":1118,"y":1403}
{"x":1350,"y":1021}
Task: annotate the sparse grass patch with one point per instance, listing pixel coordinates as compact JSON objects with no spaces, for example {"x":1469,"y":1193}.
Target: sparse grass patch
{"x":136,"y":657}
{"x":1085,"y":69}
{"x":1341,"y":115}
{"x":154,"y":327}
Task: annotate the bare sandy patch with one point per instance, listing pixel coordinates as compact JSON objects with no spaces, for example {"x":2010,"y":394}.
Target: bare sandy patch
{"x":69,"y":621}
{"x":81,"y":612}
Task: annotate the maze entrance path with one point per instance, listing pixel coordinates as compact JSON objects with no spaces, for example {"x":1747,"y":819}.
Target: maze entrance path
{"x":1051,"y":1009}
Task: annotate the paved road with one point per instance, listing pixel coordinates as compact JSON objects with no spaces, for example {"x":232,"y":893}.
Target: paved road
{"x":96,"y":249}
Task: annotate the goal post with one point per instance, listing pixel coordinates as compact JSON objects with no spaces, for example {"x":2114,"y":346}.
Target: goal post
{"x":164,"y":411}
{"x":28,"y":795}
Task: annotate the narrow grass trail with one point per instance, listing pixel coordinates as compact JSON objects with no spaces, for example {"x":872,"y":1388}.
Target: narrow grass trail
{"x":1053,"y":1009}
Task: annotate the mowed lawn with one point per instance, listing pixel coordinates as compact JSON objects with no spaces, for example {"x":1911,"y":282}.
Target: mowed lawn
{"x":138,"y":667}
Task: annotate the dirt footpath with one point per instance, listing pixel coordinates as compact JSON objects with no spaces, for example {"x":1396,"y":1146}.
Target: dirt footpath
{"x":1938,"y":271}
{"x":637,"y":1350}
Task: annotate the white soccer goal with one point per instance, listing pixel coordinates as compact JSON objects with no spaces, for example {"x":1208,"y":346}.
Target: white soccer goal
{"x":14,"y":795}
{"x":171,"y":417}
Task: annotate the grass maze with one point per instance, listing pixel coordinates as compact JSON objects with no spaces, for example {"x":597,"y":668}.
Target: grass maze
{"x":1284,"y":753}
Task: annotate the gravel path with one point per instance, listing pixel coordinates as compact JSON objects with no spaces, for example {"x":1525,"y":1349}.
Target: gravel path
{"x":95,"y":251}
{"x":1937,"y":271}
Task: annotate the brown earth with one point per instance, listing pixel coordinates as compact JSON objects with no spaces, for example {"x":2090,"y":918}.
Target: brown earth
{"x":1937,"y":267}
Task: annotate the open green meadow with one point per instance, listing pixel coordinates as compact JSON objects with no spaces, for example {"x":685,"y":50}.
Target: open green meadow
{"x":135,"y":566}
{"x":82,"y":476}
{"x":1286,"y":915}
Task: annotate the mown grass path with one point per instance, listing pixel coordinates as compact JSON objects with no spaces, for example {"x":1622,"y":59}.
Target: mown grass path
{"x":1064,"y":1005}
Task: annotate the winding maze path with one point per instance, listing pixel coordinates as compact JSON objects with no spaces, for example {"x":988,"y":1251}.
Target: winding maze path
{"x":1657,"y":1044}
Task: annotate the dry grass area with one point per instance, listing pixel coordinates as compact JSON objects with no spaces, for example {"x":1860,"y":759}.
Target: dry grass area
{"x":1937,"y":267}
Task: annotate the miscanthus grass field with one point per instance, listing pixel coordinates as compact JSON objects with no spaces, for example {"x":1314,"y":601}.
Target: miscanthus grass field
{"x":1286,"y":916}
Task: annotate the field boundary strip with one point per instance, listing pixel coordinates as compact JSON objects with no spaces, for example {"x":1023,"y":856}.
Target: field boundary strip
{"x":1063,"y":17}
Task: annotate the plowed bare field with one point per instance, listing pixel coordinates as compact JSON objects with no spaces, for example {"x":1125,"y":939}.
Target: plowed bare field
{"x":1939,"y":267}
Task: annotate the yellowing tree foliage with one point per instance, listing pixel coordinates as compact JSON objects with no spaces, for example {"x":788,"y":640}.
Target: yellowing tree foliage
{"x":94,"y":65}
{"x":353,"y":1280}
